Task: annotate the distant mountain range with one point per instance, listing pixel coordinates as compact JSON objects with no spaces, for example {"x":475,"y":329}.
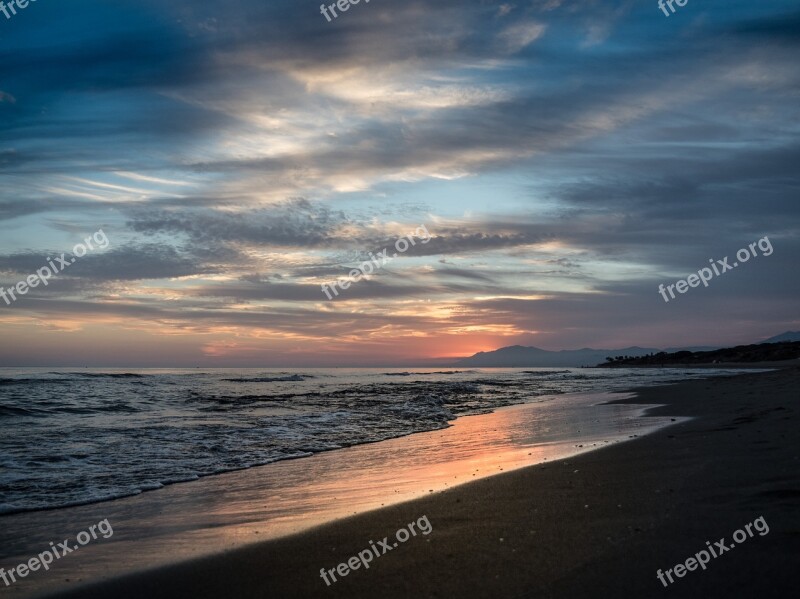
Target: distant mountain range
{"x":787,"y":336}
{"x":743,"y":354}
{"x":522,"y":356}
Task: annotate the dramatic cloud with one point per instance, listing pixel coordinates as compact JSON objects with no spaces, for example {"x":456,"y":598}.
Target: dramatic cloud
{"x":566,"y":156}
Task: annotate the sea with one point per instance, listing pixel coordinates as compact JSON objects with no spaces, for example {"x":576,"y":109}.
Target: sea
{"x":72,"y":437}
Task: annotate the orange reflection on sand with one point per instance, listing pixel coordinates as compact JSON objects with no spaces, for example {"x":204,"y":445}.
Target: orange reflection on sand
{"x":221,"y":512}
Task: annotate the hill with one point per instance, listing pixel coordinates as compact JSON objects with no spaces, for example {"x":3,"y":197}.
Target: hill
{"x":761,"y":352}
{"x":521,"y":356}
{"x":787,"y":336}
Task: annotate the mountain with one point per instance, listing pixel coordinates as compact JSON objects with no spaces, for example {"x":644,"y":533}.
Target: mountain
{"x":532,"y":357}
{"x":787,"y":336}
{"x":762,"y":352}
{"x":518,"y":355}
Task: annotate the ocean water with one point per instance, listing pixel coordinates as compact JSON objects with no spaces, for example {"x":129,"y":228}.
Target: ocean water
{"x":75,"y":437}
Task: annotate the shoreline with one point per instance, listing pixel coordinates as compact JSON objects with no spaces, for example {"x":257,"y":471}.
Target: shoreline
{"x":193,"y":478}
{"x":565,"y":529}
{"x":220,"y":513}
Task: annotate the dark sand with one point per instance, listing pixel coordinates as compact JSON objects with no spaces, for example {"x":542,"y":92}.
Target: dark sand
{"x":598,"y":525}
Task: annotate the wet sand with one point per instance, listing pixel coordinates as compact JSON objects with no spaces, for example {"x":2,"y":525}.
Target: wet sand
{"x":596,"y":525}
{"x":227,"y":511}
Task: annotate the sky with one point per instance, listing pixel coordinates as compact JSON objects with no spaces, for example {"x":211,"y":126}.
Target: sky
{"x":564,"y":157}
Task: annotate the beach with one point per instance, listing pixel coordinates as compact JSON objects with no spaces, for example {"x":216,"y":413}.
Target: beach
{"x":222,"y":512}
{"x":426,"y":300}
{"x":597,"y":525}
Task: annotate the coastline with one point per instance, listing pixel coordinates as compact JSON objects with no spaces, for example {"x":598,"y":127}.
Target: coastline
{"x":216,"y":514}
{"x":709,"y":366}
{"x":236,"y":419}
{"x":597,"y":525}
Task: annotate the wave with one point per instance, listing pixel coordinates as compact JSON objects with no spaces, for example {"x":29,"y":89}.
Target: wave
{"x":546,"y":372}
{"x":272,"y":379}
{"x":427,"y":373}
{"x":8,"y":411}
{"x":224,"y":402}
{"x":97,"y":375}
{"x":453,"y":372}
{"x":29,"y":381}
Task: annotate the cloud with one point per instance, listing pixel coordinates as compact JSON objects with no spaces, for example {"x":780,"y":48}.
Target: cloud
{"x":132,"y":263}
{"x":292,"y":223}
{"x":566,"y":157}
{"x":521,"y":35}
